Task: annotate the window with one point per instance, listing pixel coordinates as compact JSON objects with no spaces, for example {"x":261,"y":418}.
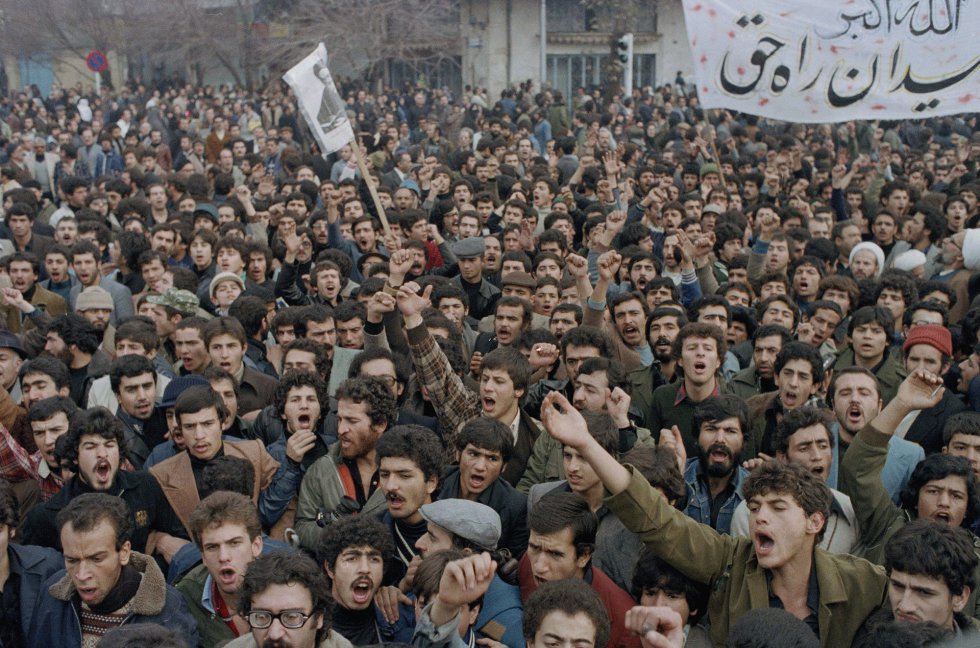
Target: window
{"x":572,"y":16}
{"x":570,"y":71}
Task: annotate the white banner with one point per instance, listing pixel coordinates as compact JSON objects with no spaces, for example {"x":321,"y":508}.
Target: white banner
{"x":319,"y":102}
{"x":836,"y":60}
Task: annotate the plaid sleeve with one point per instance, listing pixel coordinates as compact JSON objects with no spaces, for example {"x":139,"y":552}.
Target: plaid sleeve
{"x":454,"y":403}
{"x":15,"y":462}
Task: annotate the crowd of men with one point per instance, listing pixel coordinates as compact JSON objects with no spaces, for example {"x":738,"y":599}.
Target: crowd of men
{"x":609,"y":372}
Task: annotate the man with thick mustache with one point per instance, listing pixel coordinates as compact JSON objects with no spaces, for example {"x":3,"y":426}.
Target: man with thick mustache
{"x":355,"y":552}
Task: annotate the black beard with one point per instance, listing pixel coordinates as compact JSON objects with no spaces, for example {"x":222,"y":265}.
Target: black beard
{"x":662,"y":358}
{"x":717,"y":470}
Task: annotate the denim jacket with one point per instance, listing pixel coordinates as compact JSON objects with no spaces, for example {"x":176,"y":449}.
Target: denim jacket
{"x":699,"y":497}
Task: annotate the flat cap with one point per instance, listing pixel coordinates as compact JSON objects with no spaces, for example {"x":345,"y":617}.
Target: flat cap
{"x":94,"y":297}
{"x":9,"y":340}
{"x":180,"y":300}
{"x":225,"y":276}
{"x":520,"y":279}
{"x":475,"y":522}
{"x":469,"y":248}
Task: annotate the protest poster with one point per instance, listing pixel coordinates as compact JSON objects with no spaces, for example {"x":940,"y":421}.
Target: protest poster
{"x":319,"y":102}
{"x":836,"y":60}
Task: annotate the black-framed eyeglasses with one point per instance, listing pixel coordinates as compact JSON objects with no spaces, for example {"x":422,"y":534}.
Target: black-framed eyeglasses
{"x":291,"y":619}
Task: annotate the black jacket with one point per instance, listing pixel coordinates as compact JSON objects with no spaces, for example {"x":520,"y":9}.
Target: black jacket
{"x":505,"y":500}
{"x":33,"y":566}
{"x":148,"y":510}
{"x":927,"y":429}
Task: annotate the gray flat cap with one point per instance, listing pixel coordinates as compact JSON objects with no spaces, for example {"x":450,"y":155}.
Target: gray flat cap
{"x":470,"y":247}
{"x":472,"y":521}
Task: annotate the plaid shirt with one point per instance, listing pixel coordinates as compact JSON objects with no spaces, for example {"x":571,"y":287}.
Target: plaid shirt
{"x":454,"y":403}
{"x":17,"y":465}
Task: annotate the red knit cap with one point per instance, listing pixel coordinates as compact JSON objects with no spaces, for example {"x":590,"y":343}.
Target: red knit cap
{"x":934,"y":335}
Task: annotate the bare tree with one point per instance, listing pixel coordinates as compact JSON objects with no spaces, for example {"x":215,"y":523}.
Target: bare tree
{"x":209,"y":34}
{"x":73,"y":26}
{"x":367,"y":36}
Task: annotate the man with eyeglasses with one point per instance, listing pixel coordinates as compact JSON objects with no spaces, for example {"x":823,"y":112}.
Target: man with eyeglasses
{"x":286,"y":600}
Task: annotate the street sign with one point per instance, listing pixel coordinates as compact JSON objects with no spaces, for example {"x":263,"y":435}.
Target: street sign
{"x":96,"y":61}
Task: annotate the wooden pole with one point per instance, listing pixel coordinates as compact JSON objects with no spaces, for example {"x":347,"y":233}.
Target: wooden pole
{"x":362,"y":165}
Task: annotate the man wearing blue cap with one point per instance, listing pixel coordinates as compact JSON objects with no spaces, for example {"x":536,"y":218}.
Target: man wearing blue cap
{"x":473,"y":528}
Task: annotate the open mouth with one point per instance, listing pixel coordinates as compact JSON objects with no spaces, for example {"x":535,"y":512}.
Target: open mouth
{"x":395,"y":501}
{"x":489,"y":404}
{"x":700,"y":367}
{"x":86,"y":593}
{"x":304,"y":421}
{"x":942,"y":516}
{"x":476,"y":482}
{"x":818,"y":471}
{"x":854,"y":414}
{"x":764,"y":544}
{"x":630,"y":331}
{"x":363,"y":590}
{"x":103,"y":470}
{"x":789,"y":399}
{"x":227,"y":575}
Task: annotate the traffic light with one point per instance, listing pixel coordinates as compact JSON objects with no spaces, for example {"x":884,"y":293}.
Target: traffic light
{"x":624,"y":54}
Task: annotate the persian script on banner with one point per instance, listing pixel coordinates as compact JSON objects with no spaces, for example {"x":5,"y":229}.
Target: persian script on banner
{"x":837,"y":60}
{"x":319,"y":101}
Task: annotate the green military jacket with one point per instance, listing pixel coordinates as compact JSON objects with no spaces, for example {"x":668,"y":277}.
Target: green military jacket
{"x":850,"y":588}
{"x":878,"y":517}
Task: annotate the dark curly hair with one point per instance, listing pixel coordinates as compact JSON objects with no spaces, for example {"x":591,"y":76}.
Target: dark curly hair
{"x":587,"y":336}
{"x":295,"y":379}
{"x":375,"y":394}
{"x":699,"y":330}
{"x":796,"y":420}
{"x":288,"y":568}
{"x":936,"y":550}
{"x":95,"y":421}
{"x":354,"y":531}
{"x":414,"y":442}
{"x":320,"y":359}
{"x":75,"y":329}
{"x":571,"y":597}
{"x":810,"y":492}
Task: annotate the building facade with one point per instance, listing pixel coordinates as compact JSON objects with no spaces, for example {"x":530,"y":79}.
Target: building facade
{"x":502,"y":41}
